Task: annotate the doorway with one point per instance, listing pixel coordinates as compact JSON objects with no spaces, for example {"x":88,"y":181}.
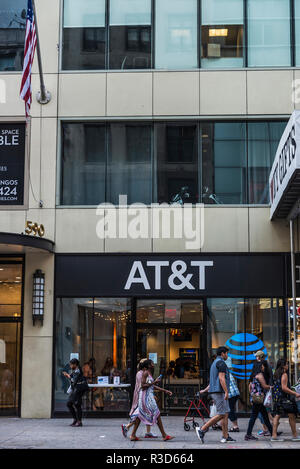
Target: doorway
{"x":171,"y":334}
{"x":11,"y":281}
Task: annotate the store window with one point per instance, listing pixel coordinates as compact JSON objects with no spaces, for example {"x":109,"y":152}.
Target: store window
{"x":224,"y":162}
{"x":130,"y":34}
{"x":177,"y":163}
{"x":222,"y":34}
{"x":269,"y":33}
{"x":176,"y":34}
{"x":97,"y":331}
{"x":263,"y":139}
{"x":245,"y":326}
{"x":130,"y":154}
{"x":291,"y":336}
{"x":84,"y":35}
{"x":12,"y":34}
{"x":11,"y":279}
{"x":169,"y":311}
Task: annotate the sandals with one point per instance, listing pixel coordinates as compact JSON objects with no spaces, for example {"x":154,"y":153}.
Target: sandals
{"x":168,"y":438}
{"x":234,"y":430}
{"x":134,"y":438}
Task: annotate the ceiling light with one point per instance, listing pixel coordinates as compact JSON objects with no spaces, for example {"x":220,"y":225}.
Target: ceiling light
{"x":218,"y":32}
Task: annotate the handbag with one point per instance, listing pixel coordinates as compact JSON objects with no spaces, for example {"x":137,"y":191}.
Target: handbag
{"x":213,"y":411}
{"x":268,"y":402}
{"x":288,"y":406}
{"x":257,"y":398}
{"x":82,"y":386}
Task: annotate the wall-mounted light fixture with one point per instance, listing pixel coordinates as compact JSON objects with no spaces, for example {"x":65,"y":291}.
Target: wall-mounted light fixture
{"x":38,"y":296}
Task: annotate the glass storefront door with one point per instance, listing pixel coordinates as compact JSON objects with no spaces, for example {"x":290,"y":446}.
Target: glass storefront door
{"x":11,"y":275}
{"x":170,"y":333}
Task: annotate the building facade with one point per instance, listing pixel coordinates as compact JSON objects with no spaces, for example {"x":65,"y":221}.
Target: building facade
{"x":179,"y":106}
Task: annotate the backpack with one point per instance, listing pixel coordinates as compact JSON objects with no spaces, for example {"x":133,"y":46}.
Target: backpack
{"x":256,"y":392}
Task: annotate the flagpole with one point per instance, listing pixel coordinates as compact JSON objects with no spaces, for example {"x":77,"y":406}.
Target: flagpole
{"x":43,"y":96}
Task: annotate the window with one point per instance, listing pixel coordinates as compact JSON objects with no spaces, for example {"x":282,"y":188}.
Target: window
{"x":177,"y":163}
{"x":130,"y":163}
{"x":176,"y":34}
{"x":269,"y":39}
{"x":222,"y":34}
{"x":97,"y":330}
{"x":10,"y":289}
{"x":84,"y":35}
{"x":245,"y":326}
{"x":167,"y":162}
{"x":224,"y":163}
{"x":130,"y":34}
{"x":297,"y":31}
{"x":12,"y":34}
{"x":263,"y":139}
{"x":83,"y":164}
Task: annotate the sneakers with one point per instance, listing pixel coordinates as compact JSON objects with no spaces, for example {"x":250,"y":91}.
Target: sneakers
{"x":296,"y":439}
{"x":200,"y":434}
{"x":276,"y":439}
{"x":227,"y":440}
{"x":150,"y":435}
{"x":124,"y":430}
{"x":250,"y":437}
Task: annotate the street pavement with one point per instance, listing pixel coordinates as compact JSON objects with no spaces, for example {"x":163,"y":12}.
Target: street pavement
{"x":18,"y":433}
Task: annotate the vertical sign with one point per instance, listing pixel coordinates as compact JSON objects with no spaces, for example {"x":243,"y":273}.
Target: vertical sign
{"x":12,"y":164}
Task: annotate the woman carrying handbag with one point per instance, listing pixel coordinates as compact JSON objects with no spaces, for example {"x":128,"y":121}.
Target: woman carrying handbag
{"x":284,"y":400}
{"x":258,"y":388}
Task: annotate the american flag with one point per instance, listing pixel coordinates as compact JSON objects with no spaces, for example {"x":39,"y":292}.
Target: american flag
{"x":29,"y":50}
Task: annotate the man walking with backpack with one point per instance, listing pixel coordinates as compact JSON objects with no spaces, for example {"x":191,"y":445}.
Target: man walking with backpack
{"x":218,"y":387}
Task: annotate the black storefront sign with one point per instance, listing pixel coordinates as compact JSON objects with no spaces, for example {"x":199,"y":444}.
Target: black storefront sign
{"x":152,"y":275}
{"x":12,"y":164}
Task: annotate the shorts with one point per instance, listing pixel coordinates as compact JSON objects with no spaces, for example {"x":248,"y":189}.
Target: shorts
{"x":221,"y":405}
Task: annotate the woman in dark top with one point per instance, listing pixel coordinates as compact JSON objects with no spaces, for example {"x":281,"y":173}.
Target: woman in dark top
{"x":258,"y":381}
{"x":284,"y":400}
{"x":77,"y":388}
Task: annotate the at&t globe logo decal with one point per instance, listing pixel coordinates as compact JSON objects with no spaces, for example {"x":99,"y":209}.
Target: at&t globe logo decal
{"x":242,"y":348}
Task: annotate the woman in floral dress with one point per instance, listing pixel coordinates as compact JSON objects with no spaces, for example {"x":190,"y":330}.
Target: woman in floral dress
{"x":147,"y":410}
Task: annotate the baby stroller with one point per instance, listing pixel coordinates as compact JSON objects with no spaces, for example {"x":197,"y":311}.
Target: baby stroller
{"x":197,"y":408}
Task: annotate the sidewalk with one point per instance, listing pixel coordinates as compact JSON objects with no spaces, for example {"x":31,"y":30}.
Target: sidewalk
{"x":104,"y":433}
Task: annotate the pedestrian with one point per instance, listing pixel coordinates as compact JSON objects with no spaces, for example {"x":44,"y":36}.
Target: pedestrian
{"x":218,"y":387}
{"x":147,"y":410}
{"x":284,"y":400}
{"x":258,"y":388}
{"x":76,"y":390}
{"x":260,"y":355}
{"x":135,"y":400}
{"x":233,"y":396}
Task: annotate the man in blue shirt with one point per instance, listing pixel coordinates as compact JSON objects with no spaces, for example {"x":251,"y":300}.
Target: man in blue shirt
{"x":218,"y":387}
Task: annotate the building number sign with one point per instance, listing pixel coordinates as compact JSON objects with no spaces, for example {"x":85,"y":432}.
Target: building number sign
{"x":35,"y":229}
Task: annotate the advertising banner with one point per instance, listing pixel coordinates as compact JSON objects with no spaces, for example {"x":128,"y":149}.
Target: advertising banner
{"x":12,"y":164}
